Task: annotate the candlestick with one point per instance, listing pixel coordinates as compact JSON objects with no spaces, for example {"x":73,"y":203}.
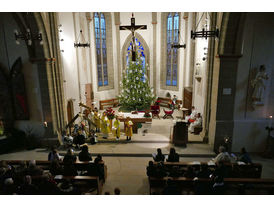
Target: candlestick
{"x":270,"y":122}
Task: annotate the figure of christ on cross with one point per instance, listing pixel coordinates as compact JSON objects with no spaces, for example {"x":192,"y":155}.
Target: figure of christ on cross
{"x":133,"y":28}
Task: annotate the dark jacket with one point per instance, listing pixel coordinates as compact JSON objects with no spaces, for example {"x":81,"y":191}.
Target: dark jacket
{"x":85,"y":156}
{"x":173,"y":158}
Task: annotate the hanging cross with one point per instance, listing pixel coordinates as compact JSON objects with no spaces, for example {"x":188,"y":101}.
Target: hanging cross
{"x":133,"y":28}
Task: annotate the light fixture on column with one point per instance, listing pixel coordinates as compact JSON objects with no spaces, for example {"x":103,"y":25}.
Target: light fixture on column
{"x":205,"y":33}
{"x":28,"y":36}
{"x":78,"y":43}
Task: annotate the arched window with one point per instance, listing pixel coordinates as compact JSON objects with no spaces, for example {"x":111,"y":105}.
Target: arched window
{"x":172,"y":37}
{"x":101,"y":48}
{"x":140,"y":53}
{"x":142,"y":50}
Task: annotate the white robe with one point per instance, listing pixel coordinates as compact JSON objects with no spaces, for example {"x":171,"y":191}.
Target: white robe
{"x":196,"y":123}
{"x":192,"y":115}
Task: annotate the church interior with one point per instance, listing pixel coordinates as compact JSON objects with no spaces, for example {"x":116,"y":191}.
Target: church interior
{"x":136,"y":103}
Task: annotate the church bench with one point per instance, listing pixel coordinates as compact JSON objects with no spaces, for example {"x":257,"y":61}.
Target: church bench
{"x":45,"y":164}
{"x":253,"y":170}
{"x":109,"y":103}
{"x":239,"y":185}
{"x":89,"y":181}
{"x":164,"y":102}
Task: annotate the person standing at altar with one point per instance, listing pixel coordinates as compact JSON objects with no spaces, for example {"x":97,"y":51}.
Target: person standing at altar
{"x":97,"y":120}
{"x":128,"y":128}
{"x":104,"y":125}
{"x":116,"y":127}
{"x":191,"y":117}
{"x":197,"y":123}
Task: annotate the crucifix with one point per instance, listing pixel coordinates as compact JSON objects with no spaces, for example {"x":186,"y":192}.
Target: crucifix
{"x":133,"y":28}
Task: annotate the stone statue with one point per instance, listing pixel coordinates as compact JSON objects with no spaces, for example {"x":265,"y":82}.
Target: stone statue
{"x":259,"y":87}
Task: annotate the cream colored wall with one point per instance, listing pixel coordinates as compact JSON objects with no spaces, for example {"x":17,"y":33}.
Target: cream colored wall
{"x":183,"y":62}
{"x":80,"y":63}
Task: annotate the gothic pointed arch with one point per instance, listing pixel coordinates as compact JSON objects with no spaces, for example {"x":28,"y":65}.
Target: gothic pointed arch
{"x":170,"y":70}
{"x":142,"y":50}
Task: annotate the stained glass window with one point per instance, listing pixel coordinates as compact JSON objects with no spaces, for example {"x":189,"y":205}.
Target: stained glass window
{"x":172,"y":53}
{"x":101,"y":48}
{"x":140,"y":53}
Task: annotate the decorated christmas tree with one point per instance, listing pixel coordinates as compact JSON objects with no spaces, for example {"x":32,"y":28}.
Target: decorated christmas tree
{"x":136,"y":94}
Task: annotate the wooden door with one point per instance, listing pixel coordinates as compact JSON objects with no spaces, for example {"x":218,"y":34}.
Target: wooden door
{"x":70,"y":110}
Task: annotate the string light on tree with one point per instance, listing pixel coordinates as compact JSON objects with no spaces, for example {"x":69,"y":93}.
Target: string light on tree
{"x":136,"y":94}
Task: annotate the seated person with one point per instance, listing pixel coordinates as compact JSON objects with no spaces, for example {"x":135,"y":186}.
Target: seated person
{"x":79,"y":139}
{"x":173,"y":156}
{"x":189,"y":172}
{"x":223,"y":156}
{"x":151,"y":169}
{"x":69,"y":158}
{"x":171,"y":105}
{"x":55,"y":168}
{"x":174,"y":100}
{"x":205,"y":172}
{"x":159,"y":157}
{"x":84,"y":155}
{"x":244,"y":157}
{"x":27,"y":188}
{"x":67,"y":188}
{"x":191,"y":118}
{"x":67,"y":139}
{"x":96,"y":169}
{"x":53,"y":155}
{"x":171,"y":188}
{"x":160,"y":170}
{"x":33,"y":170}
{"x":197,"y":123}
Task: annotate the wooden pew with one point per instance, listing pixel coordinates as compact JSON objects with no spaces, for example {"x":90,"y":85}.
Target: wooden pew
{"x":109,"y":103}
{"x":91,"y":181}
{"x":164,"y":102}
{"x":189,"y":183}
{"x":253,"y":170}
{"x":44,"y":164}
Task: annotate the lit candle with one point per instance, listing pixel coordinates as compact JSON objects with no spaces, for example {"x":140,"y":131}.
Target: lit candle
{"x":45,"y":124}
{"x":270,"y":122}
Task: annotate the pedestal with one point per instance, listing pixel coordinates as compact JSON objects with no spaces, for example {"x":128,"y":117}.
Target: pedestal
{"x":180,"y":134}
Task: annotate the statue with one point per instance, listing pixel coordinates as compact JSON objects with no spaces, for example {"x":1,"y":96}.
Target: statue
{"x":259,"y":87}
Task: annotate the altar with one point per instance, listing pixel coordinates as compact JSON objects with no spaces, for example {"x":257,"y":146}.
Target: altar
{"x":135,"y":118}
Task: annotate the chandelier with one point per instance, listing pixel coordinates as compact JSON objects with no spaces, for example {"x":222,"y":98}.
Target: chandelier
{"x":78,"y":43}
{"x":205,"y":33}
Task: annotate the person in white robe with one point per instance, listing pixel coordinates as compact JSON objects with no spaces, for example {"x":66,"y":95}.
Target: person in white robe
{"x":196,"y":123}
{"x":191,"y":117}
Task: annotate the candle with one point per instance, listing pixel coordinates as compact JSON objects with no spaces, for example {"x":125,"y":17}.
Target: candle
{"x":270,"y":122}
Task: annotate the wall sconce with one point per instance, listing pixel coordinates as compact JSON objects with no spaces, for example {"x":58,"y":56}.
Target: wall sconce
{"x":76,"y":45}
{"x":28,"y":36}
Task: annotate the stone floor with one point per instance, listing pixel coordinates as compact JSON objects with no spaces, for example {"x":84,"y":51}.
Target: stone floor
{"x":127,"y":161}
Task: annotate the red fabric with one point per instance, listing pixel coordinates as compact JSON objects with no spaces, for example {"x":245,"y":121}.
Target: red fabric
{"x":22,"y":103}
{"x":191,"y":120}
{"x":168,"y":112}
